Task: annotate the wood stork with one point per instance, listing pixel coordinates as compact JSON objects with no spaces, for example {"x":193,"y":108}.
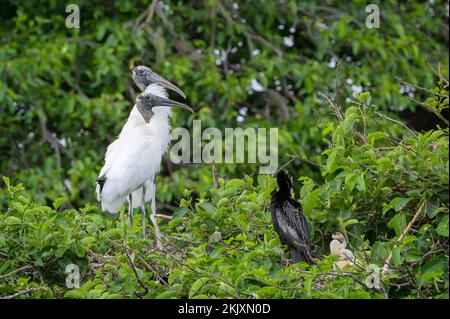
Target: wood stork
{"x":134,"y":158}
{"x":289,"y":221}
{"x":150,"y":82}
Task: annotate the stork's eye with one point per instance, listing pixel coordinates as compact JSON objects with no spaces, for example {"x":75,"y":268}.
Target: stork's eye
{"x":140,"y":71}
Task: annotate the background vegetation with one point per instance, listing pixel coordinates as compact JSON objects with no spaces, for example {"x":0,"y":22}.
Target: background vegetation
{"x":362,"y":117}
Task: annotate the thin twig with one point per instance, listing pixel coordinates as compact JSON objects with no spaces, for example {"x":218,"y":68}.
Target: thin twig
{"x":23,"y":292}
{"x":215,"y":176}
{"x":134,"y":270}
{"x":438,"y":74}
{"x":420,"y":88}
{"x":403,"y":234}
{"x":14,"y":272}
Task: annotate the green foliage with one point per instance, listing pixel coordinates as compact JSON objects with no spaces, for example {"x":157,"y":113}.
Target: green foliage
{"x":65,"y":94}
{"x":223,"y":245}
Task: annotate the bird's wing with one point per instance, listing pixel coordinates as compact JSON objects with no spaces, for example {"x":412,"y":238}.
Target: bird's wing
{"x":134,"y":162}
{"x":302,"y":218}
{"x":292,"y":225}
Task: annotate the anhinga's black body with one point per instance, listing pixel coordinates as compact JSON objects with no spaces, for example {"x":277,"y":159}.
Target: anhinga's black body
{"x":289,"y":221}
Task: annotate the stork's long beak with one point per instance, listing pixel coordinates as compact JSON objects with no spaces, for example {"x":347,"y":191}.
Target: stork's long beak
{"x":155,"y":78}
{"x":160,"y":101}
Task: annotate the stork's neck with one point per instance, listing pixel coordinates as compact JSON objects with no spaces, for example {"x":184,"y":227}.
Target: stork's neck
{"x":161,"y":115}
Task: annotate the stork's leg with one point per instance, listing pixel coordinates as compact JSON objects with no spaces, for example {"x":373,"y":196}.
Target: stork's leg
{"x":153,"y":215}
{"x":143,"y":210}
{"x":130,"y":209}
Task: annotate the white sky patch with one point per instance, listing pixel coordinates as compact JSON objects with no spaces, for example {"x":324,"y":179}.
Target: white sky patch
{"x":256,"y":52}
{"x":332,"y":63}
{"x":256,"y":86}
{"x":222,"y":56}
{"x":292,"y":29}
{"x":349,"y":81}
{"x":67,"y":183}
{"x":242,"y":114}
{"x":62,"y":141}
{"x":356,"y":88}
{"x":281,"y":27}
{"x":288,"y":41}
{"x":407,"y":89}
{"x":321,"y":26}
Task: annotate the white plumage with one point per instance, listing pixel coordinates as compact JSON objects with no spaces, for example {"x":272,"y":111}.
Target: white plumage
{"x":135,"y":156}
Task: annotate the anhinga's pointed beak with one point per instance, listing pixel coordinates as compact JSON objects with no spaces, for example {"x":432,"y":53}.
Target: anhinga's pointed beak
{"x":160,"y":101}
{"x":157,"y":79}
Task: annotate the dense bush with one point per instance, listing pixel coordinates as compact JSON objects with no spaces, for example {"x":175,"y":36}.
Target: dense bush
{"x":223,"y":244}
{"x":373,"y":166}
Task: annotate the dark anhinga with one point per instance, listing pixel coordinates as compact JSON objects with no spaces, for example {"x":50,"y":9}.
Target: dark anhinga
{"x":289,"y":221}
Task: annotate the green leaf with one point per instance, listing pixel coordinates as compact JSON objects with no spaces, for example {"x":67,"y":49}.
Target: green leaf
{"x":396,"y":256}
{"x":6,"y":181}
{"x":360,"y":183}
{"x":197,"y":285}
{"x":59,"y":201}
{"x":12,"y":220}
{"x":398,"y":223}
{"x":442,"y":228}
{"x":364,"y":97}
{"x":180,"y":212}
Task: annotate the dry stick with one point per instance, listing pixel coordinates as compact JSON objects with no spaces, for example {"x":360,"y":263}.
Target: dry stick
{"x":397,"y":122}
{"x":14,"y":272}
{"x":338,"y":112}
{"x":438,"y":74}
{"x":164,"y":216}
{"x":431,"y":110}
{"x":420,"y":88}
{"x":288,"y":162}
{"x":151,"y":11}
{"x":134,"y":270}
{"x":215,"y":176}
{"x":403,"y":234}
{"x":23,"y":292}
{"x":154,"y":271}
{"x":305,"y":160}
{"x":337,"y":100}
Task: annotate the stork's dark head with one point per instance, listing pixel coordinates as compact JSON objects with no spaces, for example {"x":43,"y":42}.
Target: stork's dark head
{"x":144,"y":76}
{"x":284,"y":182}
{"x":145,"y":102}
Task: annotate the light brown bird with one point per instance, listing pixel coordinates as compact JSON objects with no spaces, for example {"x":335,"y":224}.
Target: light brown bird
{"x":338,"y":247}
